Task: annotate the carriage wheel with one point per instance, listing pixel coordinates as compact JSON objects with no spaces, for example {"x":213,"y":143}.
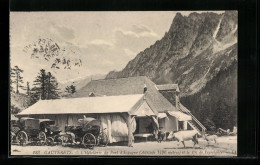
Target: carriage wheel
{"x":89,"y":140}
{"x":12,"y":137}
{"x":64,"y":140}
{"x":103,"y":139}
{"x":22,"y":138}
{"x":57,"y":139}
{"x":42,"y":138}
{"x":50,"y":141}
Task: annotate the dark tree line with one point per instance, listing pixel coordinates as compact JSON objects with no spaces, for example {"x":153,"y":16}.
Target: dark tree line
{"x":45,"y":86}
{"x":216,"y":105}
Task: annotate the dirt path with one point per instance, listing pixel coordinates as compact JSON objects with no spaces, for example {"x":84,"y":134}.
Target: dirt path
{"x":226,"y":146}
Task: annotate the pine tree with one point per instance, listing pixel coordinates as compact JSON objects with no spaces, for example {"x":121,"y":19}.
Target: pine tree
{"x":28,"y":89}
{"x":40,"y":85}
{"x":71,"y":89}
{"x":45,"y":87}
{"x":35,"y":95}
{"x":67,"y":89}
{"x":52,"y":87}
{"x":18,"y":79}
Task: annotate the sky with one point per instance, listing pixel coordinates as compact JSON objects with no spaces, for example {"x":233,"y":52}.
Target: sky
{"x":106,"y":40}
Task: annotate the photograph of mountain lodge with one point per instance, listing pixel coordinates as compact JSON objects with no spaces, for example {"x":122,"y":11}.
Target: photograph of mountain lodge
{"x":161,"y":83}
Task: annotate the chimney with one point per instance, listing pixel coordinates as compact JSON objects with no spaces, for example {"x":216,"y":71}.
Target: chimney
{"x":177,"y":100}
{"x":91,"y":94}
{"x":145,"y":90}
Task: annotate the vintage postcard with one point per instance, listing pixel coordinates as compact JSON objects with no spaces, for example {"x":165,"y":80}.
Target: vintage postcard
{"x":147,"y":83}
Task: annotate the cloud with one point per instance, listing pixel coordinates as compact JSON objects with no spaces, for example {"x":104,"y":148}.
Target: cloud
{"x":115,"y":52}
{"x":64,"y":32}
{"x":144,"y":31}
{"x":136,"y":39}
{"x":129,"y":53}
{"x":101,"y":43}
{"x":140,"y":29}
{"x":121,"y":32}
{"x":106,"y":47}
{"x":105,"y":57}
{"x":136,"y":32}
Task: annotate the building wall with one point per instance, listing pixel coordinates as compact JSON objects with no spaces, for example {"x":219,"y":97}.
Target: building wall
{"x":60,"y":120}
{"x":112,"y":122}
{"x":116,"y":127}
{"x":162,"y":124}
{"x":170,"y":124}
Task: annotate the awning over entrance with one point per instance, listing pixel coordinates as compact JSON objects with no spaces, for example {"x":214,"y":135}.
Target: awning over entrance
{"x":162,"y":115}
{"x":144,"y":110}
{"x":180,"y":116}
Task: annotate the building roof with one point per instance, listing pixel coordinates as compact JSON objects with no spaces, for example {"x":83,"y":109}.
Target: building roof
{"x":127,"y":86}
{"x":13,"y":117}
{"x":84,"y":105}
{"x":167,"y":87}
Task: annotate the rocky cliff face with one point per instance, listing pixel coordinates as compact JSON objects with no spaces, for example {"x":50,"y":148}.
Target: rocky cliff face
{"x":197,"y":50}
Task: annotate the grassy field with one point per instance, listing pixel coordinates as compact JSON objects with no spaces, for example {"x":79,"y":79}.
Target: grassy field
{"x":226,"y":146}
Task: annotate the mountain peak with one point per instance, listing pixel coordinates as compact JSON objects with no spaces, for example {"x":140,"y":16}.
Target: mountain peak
{"x":186,"y":51}
{"x":231,"y":12}
{"x":200,"y":54}
{"x":178,"y":14}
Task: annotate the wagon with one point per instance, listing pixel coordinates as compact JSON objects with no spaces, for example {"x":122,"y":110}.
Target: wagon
{"x":88,"y":133}
{"x":51,"y":131}
{"x":31,"y":130}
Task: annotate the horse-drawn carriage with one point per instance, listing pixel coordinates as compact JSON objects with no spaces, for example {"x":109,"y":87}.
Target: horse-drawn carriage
{"x":88,"y":133}
{"x":51,"y":131}
{"x":30,"y":130}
